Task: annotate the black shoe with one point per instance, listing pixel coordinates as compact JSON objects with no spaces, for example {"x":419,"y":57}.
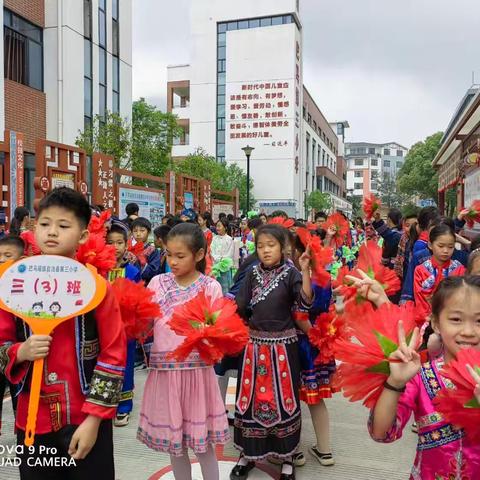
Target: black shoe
{"x":240,"y":472}
{"x":288,"y":476}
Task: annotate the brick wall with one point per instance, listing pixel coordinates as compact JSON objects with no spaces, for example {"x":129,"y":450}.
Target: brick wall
{"x":32,"y":10}
{"x":25,"y":111}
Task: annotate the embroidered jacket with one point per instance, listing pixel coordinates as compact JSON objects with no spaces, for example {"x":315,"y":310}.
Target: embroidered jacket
{"x":426,"y":280}
{"x":443,"y":452}
{"x":82,"y":373}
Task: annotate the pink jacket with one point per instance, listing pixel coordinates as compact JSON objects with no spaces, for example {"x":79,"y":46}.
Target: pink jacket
{"x":443,"y":452}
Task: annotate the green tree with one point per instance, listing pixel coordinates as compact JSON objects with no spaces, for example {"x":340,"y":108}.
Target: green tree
{"x":221,"y":175}
{"x":417,"y":176}
{"x":389,"y":193}
{"x":357,"y":209}
{"x":318,"y":201}
{"x":110,"y":136}
{"x":153,"y":132}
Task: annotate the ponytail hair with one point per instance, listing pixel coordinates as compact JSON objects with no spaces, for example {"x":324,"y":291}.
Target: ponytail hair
{"x":18,"y":217}
{"x":194,"y":238}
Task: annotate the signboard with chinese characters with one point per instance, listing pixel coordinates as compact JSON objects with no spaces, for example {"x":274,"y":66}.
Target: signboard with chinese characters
{"x":45,"y":291}
{"x":188,"y":200}
{"x":218,"y":208}
{"x":16,"y":171}
{"x":103,"y":189}
{"x":151,"y":203}
{"x":260,"y":114}
{"x":61,"y":179}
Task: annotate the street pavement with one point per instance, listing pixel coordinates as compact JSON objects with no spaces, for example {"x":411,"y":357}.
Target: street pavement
{"x":357,"y":456}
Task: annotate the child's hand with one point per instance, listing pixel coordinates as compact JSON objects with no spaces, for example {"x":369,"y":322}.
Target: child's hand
{"x":376,"y":215}
{"x":84,"y":438}
{"x":34,"y":348}
{"x":405,"y":362}
{"x":304,"y":261}
{"x":476,"y":377}
{"x":462,"y":214}
{"x":368,"y":288}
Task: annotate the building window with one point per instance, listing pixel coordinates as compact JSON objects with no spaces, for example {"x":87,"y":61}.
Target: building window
{"x":399,"y":164}
{"x":23,"y":51}
{"x":359,"y":162}
{"x":374,"y":186}
{"x":115,"y":57}
{"x":115,"y":85}
{"x":358,"y":186}
{"x":371,"y":151}
{"x":87,"y":18}
{"x":386,"y":151}
{"x":374,"y":162}
{"x":399,"y":153}
{"x":386,"y":163}
{"x":87,"y":65}
{"x":358,"y":174}
{"x":102,"y":24}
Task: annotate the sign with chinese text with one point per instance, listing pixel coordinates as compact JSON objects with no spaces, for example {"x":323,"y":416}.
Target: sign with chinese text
{"x":103,"y":189}
{"x":45,"y":291}
{"x":218,"y":208}
{"x":16,"y":171}
{"x":151,"y":203}
{"x":260,"y":111}
{"x":61,"y":179}
{"x":188,"y":200}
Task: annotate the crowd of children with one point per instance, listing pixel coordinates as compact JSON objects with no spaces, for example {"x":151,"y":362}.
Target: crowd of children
{"x":269,"y":265}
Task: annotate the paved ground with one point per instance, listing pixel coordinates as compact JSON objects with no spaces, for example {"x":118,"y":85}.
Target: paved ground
{"x":357,"y":457}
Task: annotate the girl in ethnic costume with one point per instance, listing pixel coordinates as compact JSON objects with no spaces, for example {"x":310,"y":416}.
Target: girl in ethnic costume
{"x":267,"y":415}
{"x":315,"y":378}
{"x":444,"y":451}
{"x":182,"y":407}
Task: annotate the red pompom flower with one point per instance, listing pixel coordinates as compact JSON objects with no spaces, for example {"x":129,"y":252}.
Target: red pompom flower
{"x":458,"y":403}
{"x":97,"y":253}
{"x":365,"y":356}
{"x":370,"y":261}
{"x":283,"y":222}
{"x":213,"y":328}
{"x":473,"y":215}
{"x":370,"y":205}
{"x":341,"y":227}
{"x":137,"y":308}
{"x":137,"y":249}
{"x":97,"y":224}
{"x":323,"y":334}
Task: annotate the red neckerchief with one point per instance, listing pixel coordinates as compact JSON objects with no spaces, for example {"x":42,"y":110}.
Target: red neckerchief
{"x":424,"y":236}
{"x":439,"y":267}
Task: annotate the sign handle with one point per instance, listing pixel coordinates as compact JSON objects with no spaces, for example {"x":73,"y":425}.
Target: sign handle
{"x":34,"y":401}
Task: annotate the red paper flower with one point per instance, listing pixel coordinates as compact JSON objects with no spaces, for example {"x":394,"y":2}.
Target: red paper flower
{"x":473,"y":214}
{"x":97,"y":224}
{"x":459,"y":405}
{"x":327,"y":328}
{"x":320,"y":256}
{"x":283,"y":222}
{"x":137,"y":249}
{"x":341,"y":226}
{"x":364,"y":356}
{"x":137,"y":308}
{"x":370,"y":204}
{"x":369,"y":260}
{"x":213,"y":328}
{"x":97,"y":253}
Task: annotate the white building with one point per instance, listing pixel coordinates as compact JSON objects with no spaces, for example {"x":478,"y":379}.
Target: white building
{"x":369,"y":163}
{"x":100,"y":33}
{"x":64,"y":62}
{"x":244,"y":85}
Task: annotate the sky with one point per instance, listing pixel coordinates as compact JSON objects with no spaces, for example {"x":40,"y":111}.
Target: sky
{"x":395,"y":69}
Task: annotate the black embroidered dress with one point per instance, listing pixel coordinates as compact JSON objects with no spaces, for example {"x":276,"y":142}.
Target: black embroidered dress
{"x":267,"y":413}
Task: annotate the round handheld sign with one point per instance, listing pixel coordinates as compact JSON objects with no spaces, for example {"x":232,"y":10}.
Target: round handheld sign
{"x":45,"y":291}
